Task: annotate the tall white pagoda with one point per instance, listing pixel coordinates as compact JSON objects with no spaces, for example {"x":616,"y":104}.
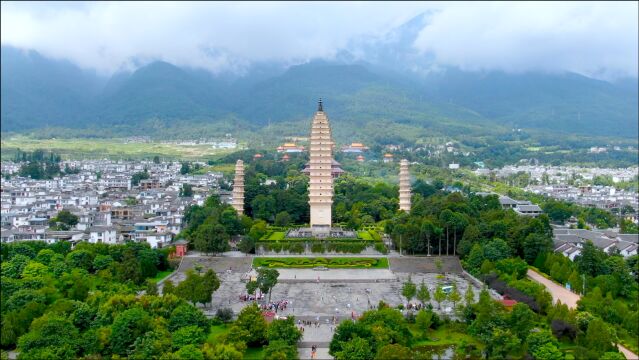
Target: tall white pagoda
{"x":321,"y":180}
{"x":404,"y":186}
{"x":238,"y":188}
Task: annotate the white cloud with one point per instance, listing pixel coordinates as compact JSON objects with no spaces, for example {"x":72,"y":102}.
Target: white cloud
{"x":596,"y":39}
{"x":589,"y":38}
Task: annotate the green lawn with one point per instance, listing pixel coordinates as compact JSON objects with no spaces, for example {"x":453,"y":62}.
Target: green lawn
{"x":254,"y":354}
{"x":216,"y":332}
{"x":276,"y":236}
{"x":111,"y":148}
{"x":443,"y":336}
{"x":311,"y":262}
{"x":162,"y":274}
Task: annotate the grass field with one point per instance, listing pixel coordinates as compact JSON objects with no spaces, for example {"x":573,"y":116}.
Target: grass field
{"x":311,"y":262}
{"x":162,"y":274}
{"x":254,"y":354}
{"x":109,"y":148}
{"x":443,"y":336}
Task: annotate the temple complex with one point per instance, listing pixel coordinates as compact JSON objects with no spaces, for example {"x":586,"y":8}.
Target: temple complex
{"x":238,"y":188}
{"x":320,"y":165}
{"x":404,"y":186}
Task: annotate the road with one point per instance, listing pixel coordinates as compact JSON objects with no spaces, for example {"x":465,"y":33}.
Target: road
{"x":569,"y":298}
{"x":558,"y":292}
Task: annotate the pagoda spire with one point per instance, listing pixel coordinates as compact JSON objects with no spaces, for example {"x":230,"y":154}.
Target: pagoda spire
{"x":319,"y":106}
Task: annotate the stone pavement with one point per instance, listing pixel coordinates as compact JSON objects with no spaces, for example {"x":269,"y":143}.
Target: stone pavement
{"x":336,"y":275}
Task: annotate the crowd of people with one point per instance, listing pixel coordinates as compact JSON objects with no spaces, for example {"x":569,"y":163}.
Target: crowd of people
{"x":275,"y":306}
{"x":249,"y":297}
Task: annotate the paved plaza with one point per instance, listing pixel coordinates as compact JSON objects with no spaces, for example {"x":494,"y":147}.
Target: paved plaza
{"x":339,"y":294}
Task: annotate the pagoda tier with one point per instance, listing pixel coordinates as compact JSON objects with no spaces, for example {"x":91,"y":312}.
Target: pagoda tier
{"x":320,"y":190}
{"x":238,"y":188}
{"x":404,"y":186}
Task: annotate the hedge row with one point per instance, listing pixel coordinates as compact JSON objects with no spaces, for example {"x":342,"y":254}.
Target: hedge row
{"x":319,"y":246}
{"x":303,"y":262}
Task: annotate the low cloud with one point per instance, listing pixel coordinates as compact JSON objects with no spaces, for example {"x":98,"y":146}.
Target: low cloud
{"x":590,"y":38}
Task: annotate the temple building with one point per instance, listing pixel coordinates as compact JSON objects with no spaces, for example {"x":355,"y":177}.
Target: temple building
{"x":238,"y":188}
{"x":404,"y":186}
{"x":290,"y":148}
{"x":357,"y":148}
{"x":320,"y":192}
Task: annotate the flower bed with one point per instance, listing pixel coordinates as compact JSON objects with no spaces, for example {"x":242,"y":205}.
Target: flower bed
{"x":312,"y":262}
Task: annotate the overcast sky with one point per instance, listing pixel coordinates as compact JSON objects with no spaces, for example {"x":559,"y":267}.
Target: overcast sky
{"x":596,"y":39}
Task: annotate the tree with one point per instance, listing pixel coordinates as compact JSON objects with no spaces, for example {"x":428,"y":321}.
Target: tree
{"x":51,"y":334}
{"x":538,"y":339}
{"x":81,"y":259}
{"x":521,"y":320}
{"x":535,"y":244}
{"x":576,"y":282}
{"x":266,"y":280}
{"x":251,"y":320}
{"x":497,"y":249}
{"x":128,"y":326}
{"x":454,"y":296}
{"x":101,"y":262}
{"x":185,"y":168}
{"x":502,"y":343}
{"x":186,"y":190}
{"x":612,"y":356}
{"x":282,"y":219}
{"x":198,"y":288}
{"x":186,"y":315}
{"x":151,"y":287}
{"x":65,"y":220}
{"x":189,"y":352}
{"x":258,"y":229}
{"x":409,"y":290}
{"x":156,"y":159}
{"x":246,"y":245}
{"x":263,"y":207}
{"x":222,"y":352}
{"x":356,"y":349}
{"x":548,"y":351}
{"x":424,"y":320}
{"x":168,"y":287}
{"x":137,"y":177}
{"x":211,"y":237}
{"x":469,"y":296}
{"x":280,"y":350}
{"x":599,"y":337}
{"x":440,"y":296}
{"x":284,"y":330}
{"x":251,"y":287}
{"x":591,"y":260}
{"x":35,"y":270}
{"x":188,"y":335}
{"x":423,"y":295}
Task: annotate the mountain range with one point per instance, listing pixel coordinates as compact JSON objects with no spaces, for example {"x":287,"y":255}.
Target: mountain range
{"x":372,"y":81}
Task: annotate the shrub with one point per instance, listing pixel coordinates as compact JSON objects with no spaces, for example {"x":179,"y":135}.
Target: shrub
{"x":224,"y":314}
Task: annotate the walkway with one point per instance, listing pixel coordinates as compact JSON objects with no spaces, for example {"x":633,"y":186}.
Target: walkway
{"x":569,"y":298}
{"x":558,"y":292}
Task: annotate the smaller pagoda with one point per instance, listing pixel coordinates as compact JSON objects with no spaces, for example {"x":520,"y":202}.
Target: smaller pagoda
{"x":238,"y":188}
{"x":404,"y":186}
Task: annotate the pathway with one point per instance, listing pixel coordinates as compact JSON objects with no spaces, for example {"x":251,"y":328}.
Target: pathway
{"x":569,"y":298}
{"x":558,"y":292}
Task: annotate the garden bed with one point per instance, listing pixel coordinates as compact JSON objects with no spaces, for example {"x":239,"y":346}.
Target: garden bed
{"x":312,"y":262}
